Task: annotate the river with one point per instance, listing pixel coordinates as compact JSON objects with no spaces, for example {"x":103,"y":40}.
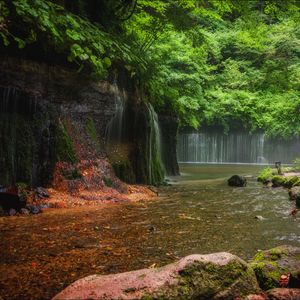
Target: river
{"x":198,"y":213}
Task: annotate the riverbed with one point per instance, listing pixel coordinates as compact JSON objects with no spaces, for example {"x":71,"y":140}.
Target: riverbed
{"x":197,"y":213}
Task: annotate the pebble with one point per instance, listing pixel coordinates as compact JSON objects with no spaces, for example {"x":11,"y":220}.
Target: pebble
{"x":24,"y":211}
{"x":42,"y":192}
{"x":151,"y":228}
{"x":34,"y":209}
{"x":12,"y":212}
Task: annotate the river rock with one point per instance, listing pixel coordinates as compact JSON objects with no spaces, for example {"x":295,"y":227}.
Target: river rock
{"x":271,"y":264}
{"x":260,"y":218}
{"x":24,"y":211}
{"x":237,"y":180}
{"x":41,"y":192}
{"x":213,"y":276}
{"x":294,"y":194}
{"x":34,"y":209}
{"x":284,"y":294}
{"x":12,"y":212}
{"x":11,"y":201}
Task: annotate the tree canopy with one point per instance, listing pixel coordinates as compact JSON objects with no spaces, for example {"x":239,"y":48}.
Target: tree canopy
{"x":227,"y":63}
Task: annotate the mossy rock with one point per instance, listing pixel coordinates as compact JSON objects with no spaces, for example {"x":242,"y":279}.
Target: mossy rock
{"x":292,"y":181}
{"x":214,"y":276}
{"x":265,"y":176}
{"x":270,"y":264}
{"x":278,"y":180}
{"x":294,"y":194}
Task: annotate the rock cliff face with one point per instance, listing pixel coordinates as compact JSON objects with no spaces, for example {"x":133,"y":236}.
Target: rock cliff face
{"x":50,"y":114}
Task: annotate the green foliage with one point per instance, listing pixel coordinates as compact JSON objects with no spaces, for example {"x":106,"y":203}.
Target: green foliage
{"x":50,"y":25}
{"x":296,"y":163}
{"x":256,"y":81}
{"x":265,"y":175}
{"x":228,"y":63}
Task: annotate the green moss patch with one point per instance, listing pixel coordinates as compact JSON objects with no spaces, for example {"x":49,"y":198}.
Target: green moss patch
{"x":91,"y":130}
{"x":271,"y":264}
{"x":64,"y":145}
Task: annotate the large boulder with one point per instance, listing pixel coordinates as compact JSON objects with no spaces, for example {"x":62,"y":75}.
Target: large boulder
{"x":213,"y":276}
{"x":237,"y":180}
{"x":271,"y":264}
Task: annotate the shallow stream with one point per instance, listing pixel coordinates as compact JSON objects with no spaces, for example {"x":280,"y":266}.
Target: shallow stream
{"x":201,"y":214}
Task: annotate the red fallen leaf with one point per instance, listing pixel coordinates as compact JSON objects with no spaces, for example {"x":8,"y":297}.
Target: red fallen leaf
{"x":34,"y":264}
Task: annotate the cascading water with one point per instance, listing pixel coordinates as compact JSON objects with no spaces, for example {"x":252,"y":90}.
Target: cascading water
{"x":154,"y":141}
{"x":235,"y":147}
{"x":133,"y":140}
{"x":16,"y":136}
{"x":114,"y":130}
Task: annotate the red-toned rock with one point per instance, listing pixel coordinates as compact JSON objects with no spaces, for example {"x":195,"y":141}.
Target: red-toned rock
{"x":261,"y":296}
{"x":213,"y":276}
{"x":284,"y":294}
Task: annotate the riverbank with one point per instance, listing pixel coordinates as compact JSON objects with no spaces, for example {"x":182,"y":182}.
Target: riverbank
{"x":59,"y":199}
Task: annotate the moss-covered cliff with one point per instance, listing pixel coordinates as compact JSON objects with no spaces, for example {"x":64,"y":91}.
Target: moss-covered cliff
{"x":51,"y":114}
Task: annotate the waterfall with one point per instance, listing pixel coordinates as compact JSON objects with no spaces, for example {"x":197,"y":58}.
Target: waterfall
{"x":235,"y":147}
{"x":155,"y":152}
{"x":114,"y":130}
{"x":133,"y":140}
{"x":16,"y":136}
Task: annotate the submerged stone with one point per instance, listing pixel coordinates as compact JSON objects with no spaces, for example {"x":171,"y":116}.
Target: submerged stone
{"x":269,"y":265}
{"x":237,"y":180}
{"x":213,"y":276}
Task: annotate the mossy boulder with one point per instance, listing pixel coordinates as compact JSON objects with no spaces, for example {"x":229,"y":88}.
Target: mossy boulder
{"x":237,"y":180}
{"x":270,"y":264}
{"x":213,"y":276}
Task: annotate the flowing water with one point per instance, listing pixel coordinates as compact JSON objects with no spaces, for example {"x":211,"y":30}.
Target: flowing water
{"x":201,"y":214}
